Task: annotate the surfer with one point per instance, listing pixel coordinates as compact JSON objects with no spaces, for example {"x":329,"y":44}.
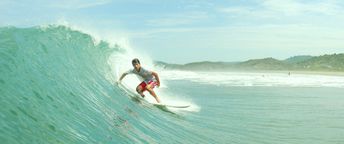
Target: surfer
{"x":150,"y":79}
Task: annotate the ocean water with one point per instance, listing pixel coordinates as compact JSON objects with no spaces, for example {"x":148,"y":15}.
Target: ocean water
{"x":57,"y":86}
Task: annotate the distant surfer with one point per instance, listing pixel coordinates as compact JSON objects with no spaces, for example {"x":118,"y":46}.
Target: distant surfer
{"x":150,"y":79}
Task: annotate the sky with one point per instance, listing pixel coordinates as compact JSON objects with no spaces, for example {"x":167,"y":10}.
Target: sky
{"x":183,"y":31}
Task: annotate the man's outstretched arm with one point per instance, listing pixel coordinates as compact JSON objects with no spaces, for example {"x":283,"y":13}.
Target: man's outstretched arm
{"x":122,"y":76}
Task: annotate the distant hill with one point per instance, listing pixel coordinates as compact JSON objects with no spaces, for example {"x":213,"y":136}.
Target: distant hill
{"x":296,"y":59}
{"x":264,"y":64}
{"x":334,"y":62}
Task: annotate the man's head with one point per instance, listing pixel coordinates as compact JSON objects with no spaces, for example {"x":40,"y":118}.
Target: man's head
{"x":136,"y":64}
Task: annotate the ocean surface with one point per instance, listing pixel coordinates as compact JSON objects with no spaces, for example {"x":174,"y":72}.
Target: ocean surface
{"x":57,"y":85}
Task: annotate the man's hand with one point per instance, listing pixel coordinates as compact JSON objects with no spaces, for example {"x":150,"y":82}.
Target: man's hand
{"x":157,"y":78}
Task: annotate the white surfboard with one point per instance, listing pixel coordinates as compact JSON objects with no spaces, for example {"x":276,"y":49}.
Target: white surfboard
{"x":173,"y":106}
{"x":132,"y":94}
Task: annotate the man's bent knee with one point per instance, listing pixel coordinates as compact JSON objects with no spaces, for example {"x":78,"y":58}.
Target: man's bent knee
{"x":139,"y":89}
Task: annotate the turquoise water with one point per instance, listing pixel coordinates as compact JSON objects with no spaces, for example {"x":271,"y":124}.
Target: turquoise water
{"x":266,"y":114}
{"x":56,"y":86}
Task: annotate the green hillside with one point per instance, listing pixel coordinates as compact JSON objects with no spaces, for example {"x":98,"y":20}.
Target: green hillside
{"x":334,"y":62}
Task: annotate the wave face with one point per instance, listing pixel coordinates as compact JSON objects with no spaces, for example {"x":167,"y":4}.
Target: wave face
{"x":56,"y":87}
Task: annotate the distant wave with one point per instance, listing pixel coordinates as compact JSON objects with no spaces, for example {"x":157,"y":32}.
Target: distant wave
{"x":257,"y":79}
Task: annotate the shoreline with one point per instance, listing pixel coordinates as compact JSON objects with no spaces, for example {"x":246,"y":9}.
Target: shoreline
{"x":318,"y":73}
{"x":325,"y":73}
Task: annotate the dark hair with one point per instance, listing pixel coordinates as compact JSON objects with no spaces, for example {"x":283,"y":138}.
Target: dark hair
{"x":135,"y":60}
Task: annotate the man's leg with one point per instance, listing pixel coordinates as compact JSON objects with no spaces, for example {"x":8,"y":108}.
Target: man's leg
{"x":139,"y":90}
{"x":150,"y":90}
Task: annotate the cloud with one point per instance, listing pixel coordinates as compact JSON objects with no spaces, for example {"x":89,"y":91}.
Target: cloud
{"x":240,"y":11}
{"x":277,"y":8}
{"x":78,"y":4}
{"x":294,"y":7}
{"x":242,"y":42}
{"x":178,"y":19}
{"x":286,"y":38}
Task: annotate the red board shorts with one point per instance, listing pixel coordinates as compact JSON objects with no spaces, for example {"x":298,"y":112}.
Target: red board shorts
{"x":144,"y":84}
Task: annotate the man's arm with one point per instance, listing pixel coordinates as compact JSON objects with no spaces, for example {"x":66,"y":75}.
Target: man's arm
{"x":122,"y":76}
{"x":156,"y":77}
